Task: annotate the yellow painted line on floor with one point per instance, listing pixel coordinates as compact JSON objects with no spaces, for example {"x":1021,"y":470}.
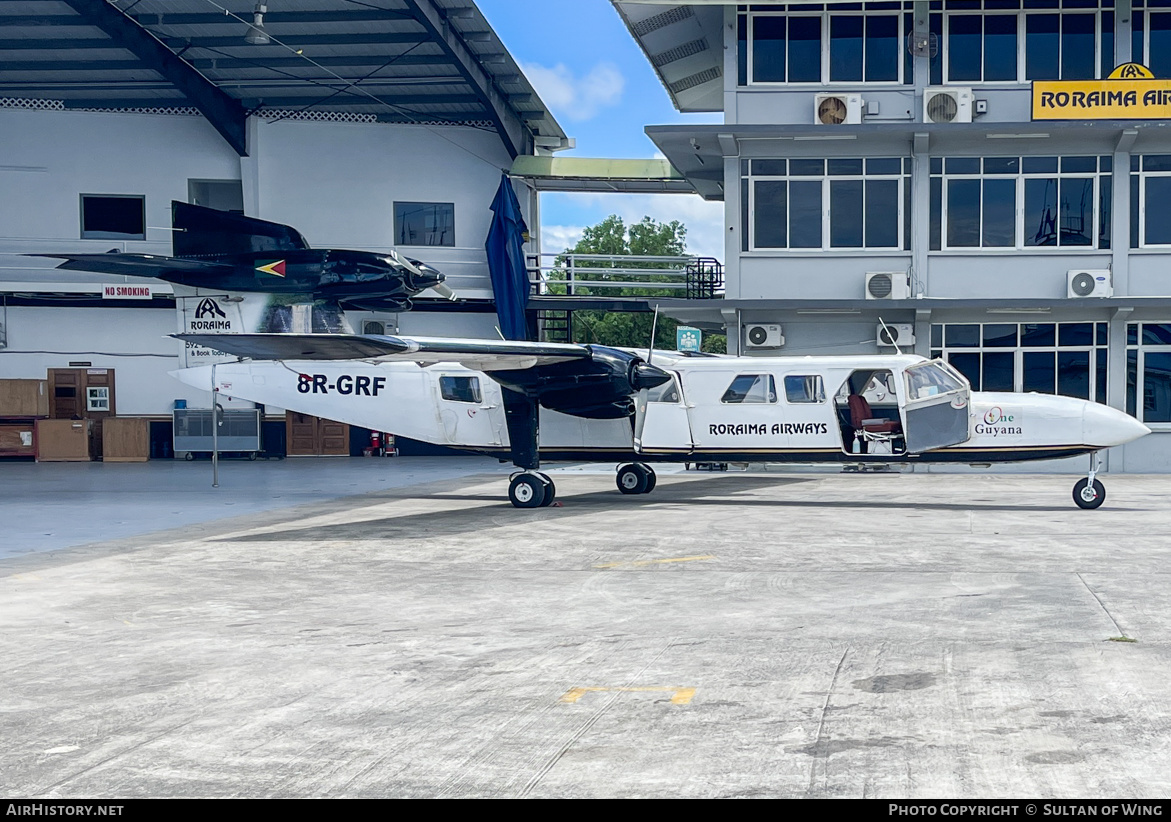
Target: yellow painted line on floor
{"x":681,"y":696}
{"x":641,"y":562}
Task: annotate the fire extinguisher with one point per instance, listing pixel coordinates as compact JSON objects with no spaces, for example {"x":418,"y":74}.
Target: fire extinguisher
{"x":376,"y":443}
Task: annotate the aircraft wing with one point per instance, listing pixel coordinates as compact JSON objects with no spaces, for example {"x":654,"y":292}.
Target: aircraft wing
{"x":482,"y":355}
{"x":135,"y":265}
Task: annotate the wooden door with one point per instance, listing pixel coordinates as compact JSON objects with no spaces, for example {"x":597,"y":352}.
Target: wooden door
{"x":83,"y":393}
{"x":310,"y":436}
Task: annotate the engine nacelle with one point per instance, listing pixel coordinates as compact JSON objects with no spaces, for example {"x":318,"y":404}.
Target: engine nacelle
{"x":601,"y":388}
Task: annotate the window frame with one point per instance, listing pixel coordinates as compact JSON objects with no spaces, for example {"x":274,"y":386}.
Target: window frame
{"x":1099,"y":335}
{"x":1140,"y":214}
{"x":824,"y":17}
{"x":88,"y":234}
{"x":771,"y":397}
{"x":826,"y":179}
{"x":1140,"y":350}
{"x":473,"y":382}
{"x":819,"y":397}
{"x":396,"y":226}
{"x":1020,"y":178}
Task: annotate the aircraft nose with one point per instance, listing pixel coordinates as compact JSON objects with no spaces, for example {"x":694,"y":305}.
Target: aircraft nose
{"x":1106,"y":426}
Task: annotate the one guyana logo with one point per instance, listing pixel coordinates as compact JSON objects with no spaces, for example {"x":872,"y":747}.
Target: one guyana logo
{"x":998,"y":424}
{"x":274,"y":267}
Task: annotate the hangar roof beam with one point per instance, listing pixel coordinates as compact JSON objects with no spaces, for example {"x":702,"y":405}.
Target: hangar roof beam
{"x":225,"y":114}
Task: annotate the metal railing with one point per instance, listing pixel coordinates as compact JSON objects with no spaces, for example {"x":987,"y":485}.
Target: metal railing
{"x":625,"y":275}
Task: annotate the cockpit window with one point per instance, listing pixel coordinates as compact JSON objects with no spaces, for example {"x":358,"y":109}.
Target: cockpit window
{"x":667,"y":392}
{"x":460,"y":389}
{"x":751,"y":388}
{"x":932,"y":378}
{"x":804,"y":388}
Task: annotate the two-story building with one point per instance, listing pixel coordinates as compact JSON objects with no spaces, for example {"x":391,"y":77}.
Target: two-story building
{"x":989,"y":179}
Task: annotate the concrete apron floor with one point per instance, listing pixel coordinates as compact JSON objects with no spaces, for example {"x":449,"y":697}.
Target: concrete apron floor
{"x":727,"y":635}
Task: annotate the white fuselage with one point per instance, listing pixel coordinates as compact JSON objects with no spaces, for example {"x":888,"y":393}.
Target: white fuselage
{"x":795,"y":409}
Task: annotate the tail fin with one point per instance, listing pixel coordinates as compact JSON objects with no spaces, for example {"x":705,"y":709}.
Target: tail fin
{"x":206,"y":232}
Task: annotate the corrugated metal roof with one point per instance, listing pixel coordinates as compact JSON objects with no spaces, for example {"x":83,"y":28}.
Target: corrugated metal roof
{"x":433,"y":61}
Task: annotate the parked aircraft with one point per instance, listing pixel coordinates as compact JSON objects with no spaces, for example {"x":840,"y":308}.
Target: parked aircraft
{"x":595,"y":403}
{"x":222,"y":250}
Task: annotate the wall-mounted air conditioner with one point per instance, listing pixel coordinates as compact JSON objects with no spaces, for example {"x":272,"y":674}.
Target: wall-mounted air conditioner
{"x":1084,"y":283}
{"x":763,"y":336}
{"x":373,"y":327}
{"x":839,"y":108}
{"x":888,"y":285}
{"x":892,"y":334}
{"x":947,"y":105}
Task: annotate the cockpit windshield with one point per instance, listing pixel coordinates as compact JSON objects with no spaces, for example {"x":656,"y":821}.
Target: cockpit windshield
{"x":931,"y":378}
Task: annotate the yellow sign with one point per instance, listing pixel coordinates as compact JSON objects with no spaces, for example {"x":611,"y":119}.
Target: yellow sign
{"x":1131,"y":92}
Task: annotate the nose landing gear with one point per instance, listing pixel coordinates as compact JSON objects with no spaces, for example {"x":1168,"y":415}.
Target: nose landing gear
{"x":1090,"y":493}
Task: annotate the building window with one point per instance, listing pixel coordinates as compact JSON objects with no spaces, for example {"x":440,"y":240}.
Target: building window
{"x":1150,"y":201}
{"x":1020,"y":202}
{"x":751,"y":388}
{"x":424,"y":224}
{"x":1151,"y":36}
{"x":835,"y":203}
{"x":1049,"y":358}
{"x":113,"y":217}
{"x":1148,"y":370}
{"x":1014,"y":41}
{"x":806,"y":43}
{"x":224,"y":195}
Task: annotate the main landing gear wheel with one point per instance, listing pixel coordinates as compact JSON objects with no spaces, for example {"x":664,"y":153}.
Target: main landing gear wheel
{"x":635,"y":478}
{"x":1089,"y":494}
{"x":531,"y":490}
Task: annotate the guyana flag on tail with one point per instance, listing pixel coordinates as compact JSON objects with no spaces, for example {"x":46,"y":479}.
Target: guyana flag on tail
{"x":274,"y":267}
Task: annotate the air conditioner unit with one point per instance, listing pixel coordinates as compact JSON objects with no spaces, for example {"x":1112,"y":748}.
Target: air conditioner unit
{"x":1082,"y":283}
{"x":763,"y":336}
{"x":842,"y":108}
{"x":892,"y":334}
{"x":373,"y":327}
{"x":888,"y":285}
{"x":947,"y":105}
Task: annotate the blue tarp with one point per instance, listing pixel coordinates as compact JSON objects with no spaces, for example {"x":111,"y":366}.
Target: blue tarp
{"x":506,"y":262}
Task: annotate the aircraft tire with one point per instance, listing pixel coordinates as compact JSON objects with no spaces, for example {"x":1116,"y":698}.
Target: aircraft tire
{"x":1087,"y":497}
{"x":527,"y":491}
{"x":550,"y":491}
{"x":651,"y":477}
{"x":633,"y":479}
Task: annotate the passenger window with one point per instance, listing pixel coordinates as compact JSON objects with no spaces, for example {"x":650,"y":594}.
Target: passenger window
{"x":804,"y":389}
{"x":751,"y":388}
{"x":460,"y":389}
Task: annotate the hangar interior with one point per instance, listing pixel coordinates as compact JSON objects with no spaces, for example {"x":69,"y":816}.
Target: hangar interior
{"x":365,"y":126}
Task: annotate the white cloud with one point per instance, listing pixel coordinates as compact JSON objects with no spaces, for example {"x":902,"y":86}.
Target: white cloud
{"x":704,"y":221}
{"x":556,"y":238}
{"x":572,"y":97}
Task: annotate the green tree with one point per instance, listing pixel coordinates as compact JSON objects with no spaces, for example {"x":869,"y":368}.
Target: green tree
{"x":647,"y":237}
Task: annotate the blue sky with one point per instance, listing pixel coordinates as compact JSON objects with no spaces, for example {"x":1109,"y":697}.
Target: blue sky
{"x":590,"y":72}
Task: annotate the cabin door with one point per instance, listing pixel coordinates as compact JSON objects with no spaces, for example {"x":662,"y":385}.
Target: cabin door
{"x":661,"y":424}
{"x":937,"y":407}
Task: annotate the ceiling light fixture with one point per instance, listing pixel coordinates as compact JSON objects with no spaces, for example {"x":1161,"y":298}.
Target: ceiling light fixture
{"x":256,"y":35}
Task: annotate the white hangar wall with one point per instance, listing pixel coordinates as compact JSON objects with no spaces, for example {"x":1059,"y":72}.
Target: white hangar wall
{"x":335,"y":182}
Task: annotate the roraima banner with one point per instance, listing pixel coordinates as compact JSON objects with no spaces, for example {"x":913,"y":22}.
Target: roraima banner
{"x":1131,"y":92}
{"x":203,"y":311}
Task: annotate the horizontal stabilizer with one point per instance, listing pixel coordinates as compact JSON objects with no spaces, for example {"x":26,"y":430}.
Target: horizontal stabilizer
{"x":484,"y":355}
{"x":135,"y":265}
